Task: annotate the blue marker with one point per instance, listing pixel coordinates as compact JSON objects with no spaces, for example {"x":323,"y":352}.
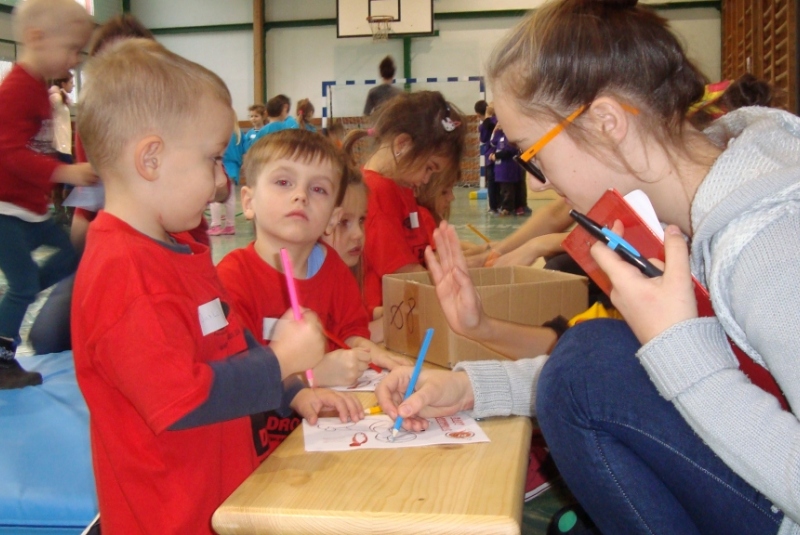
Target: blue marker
{"x":426,"y":342}
{"x":617,"y":244}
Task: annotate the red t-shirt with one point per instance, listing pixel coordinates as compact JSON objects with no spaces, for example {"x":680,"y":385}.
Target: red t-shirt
{"x":27,"y":156}
{"x":428,"y":224}
{"x":139,"y":310}
{"x":396,"y":235}
{"x":258,"y":293}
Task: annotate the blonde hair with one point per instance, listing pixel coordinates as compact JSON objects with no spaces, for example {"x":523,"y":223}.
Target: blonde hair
{"x":428,"y":194}
{"x":48,"y":16}
{"x":137,"y":86}
{"x":299,"y":145}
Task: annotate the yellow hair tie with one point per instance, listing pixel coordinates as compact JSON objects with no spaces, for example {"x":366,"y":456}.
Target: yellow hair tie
{"x":712,"y":93}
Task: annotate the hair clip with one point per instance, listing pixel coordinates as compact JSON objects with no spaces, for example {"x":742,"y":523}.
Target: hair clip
{"x":449,"y":125}
{"x":370,"y":132}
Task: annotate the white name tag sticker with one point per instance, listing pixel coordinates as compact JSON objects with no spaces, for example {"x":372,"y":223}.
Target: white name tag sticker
{"x":413,"y":218}
{"x":269,"y":328}
{"x":212,"y":317}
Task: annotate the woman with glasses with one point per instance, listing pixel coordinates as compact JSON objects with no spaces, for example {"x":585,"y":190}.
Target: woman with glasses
{"x":651,"y":422}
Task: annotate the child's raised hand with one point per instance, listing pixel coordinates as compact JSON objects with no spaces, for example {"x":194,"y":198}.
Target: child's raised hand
{"x":77,"y":174}
{"x":650,"y":305}
{"x":298,"y":345}
{"x":457,"y":295}
{"x":438,"y":393}
{"x":342,"y":367}
{"x":310,"y":402}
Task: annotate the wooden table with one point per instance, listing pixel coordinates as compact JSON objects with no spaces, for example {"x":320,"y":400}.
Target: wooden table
{"x":469,"y":489}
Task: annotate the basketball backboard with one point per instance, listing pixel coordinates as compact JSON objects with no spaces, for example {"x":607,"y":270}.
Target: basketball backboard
{"x":409,"y":17}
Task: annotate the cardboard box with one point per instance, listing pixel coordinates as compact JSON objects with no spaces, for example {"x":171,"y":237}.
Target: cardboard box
{"x":524,"y":295}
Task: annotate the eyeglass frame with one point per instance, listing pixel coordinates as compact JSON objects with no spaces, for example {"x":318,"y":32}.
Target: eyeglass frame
{"x":523,"y":159}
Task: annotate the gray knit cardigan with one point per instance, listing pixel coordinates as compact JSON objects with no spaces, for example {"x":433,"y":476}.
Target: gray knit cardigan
{"x":746,"y":250}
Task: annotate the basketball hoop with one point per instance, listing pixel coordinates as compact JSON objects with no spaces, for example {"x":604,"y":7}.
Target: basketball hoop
{"x":380,"y":25}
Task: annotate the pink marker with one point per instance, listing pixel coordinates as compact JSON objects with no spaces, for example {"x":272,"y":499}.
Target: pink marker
{"x":289,"y":272}
{"x":298,"y":314}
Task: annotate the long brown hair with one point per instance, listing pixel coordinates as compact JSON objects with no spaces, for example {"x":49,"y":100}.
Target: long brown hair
{"x":428,"y":194}
{"x":435,"y":126}
{"x":304,"y":110}
{"x":569,"y":52}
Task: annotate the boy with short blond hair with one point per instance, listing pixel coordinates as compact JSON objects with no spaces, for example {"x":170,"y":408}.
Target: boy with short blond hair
{"x":53,"y":33}
{"x":294,"y":185}
{"x":165,"y":366}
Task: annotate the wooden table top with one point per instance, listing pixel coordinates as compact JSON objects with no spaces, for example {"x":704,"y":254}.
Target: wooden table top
{"x":450,"y":489}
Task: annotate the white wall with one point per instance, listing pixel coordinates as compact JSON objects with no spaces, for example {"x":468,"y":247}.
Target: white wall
{"x":5,"y":27}
{"x":181,"y":13}
{"x":700,"y":30}
{"x":300,"y":59}
{"x":229,"y":54}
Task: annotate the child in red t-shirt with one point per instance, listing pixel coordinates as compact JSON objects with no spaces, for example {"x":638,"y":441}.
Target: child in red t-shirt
{"x":417,"y":134}
{"x":166,"y":367}
{"x":53,"y":33}
{"x":345,"y":233}
{"x":294,"y":185}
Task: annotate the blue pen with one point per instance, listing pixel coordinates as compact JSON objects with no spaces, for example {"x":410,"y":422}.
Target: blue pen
{"x":617,"y":244}
{"x":414,"y":376}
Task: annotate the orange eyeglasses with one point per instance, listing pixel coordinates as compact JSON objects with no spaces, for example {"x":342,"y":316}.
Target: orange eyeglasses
{"x":525,"y":159}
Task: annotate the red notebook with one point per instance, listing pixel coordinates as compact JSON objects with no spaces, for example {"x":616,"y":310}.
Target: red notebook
{"x":612,"y":206}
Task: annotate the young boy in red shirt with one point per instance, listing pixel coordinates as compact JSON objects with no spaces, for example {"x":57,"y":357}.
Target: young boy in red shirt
{"x":53,"y":33}
{"x":294,"y":183}
{"x":167,"y":370}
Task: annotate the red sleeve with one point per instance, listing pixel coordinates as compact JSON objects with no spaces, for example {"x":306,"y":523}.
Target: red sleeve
{"x":235,"y":280}
{"x":153,"y":348}
{"x":25,"y":106}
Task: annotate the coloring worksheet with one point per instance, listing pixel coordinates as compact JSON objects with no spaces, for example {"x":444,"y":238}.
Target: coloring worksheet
{"x":366,"y":383}
{"x":373,"y":432}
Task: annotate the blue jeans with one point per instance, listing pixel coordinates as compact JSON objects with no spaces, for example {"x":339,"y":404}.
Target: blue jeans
{"x":627,"y":454}
{"x":25,"y":277}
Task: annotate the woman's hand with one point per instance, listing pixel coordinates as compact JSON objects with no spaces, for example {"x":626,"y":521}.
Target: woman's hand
{"x":457,"y":295}
{"x":651,"y":305}
{"x":437,"y":393}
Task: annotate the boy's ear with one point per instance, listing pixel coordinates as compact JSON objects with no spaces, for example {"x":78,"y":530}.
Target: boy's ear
{"x":247,"y":203}
{"x":148,"y":157}
{"x":32,"y":35}
{"x":336,"y":216}
{"x":609,"y":118}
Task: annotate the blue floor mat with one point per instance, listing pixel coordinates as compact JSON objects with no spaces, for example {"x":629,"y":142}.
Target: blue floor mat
{"x":46,"y":481}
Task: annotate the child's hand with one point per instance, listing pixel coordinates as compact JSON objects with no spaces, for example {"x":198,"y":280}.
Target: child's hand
{"x":310,"y":402}
{"x":438,"y":393}
{"x":342,"y":367}
{"x":379,"y":355}
{"x":298,"y":345}
{"x":650,"y":305}
{"x":78,"y":174}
